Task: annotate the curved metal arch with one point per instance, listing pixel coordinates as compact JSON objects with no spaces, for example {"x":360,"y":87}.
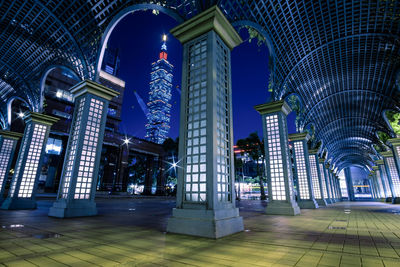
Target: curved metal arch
{"x":71,"y":37}
{"x":19,"y":77}
{"x":353,"y":158}
{"x":300,"y":62}
{"x":323,"y":100}
{"x":347,"y":118}
{"x":117,"y":18}
{"x":347,"y":145}
{"x":46,"y":72}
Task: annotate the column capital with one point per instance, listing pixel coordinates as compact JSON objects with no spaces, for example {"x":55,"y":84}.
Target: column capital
{"x":375,"y":168}
{"x":386,"y":154}
{"x":379,"y":162}
{"x":40,"y":118}
{"x":11,"y":135}
{"x":271,"y":107}
{"x":94,"y":88}
{"x":210,"y":19}
{"x":299,"y":137}
{"x":394,"y":141}
{"x":313,"y":152}
{"x":321,"y":161}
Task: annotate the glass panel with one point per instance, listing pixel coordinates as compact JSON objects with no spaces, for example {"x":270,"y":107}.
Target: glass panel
{"x":314,"y":177}
{"x":5,"y":153}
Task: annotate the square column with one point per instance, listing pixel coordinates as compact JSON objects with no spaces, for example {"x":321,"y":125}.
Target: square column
{"x":325,"y":181}
{"x":339,"y":189}
{"x":22,"y":194}
{"x":379,"y":183}
{"x":8,"y":142}
{"x":279,"y":166}
{"x":349,"y":182}
{"x":392,"y":175}
{"x":335,"y":186}
{"x":82,"y":158}
{"x":205,"y":204}
{"x":374,"y":188}
{"x":305,"y":195}
{"x":383,"y":177}
{"x":332,"y":183}
{"x":316,"y":175}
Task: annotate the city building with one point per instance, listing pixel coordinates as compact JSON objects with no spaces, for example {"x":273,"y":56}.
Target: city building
{"x":158,"y":117}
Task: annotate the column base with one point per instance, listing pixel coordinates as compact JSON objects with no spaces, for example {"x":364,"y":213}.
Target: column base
{"x":396,"y":200}
{"x":321,"y":202}
{"x":77,"y":208}
{"x":328,"y":201}
{"x":308,"y":204}
{"x":276,"y":207}
{"x":389,"y":200}
{"x":18,"y":204}
{"x":380,"y":199}
{"x":205,"y":223}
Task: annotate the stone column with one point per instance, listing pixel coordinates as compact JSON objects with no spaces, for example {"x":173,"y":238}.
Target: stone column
{"x":325,"y":182}
{"x":349,"y":182}
{"x":82,"y":159}
{"x":8,"y":143}
{"x":385,"y":182}
{"x":29,"y":163}
{"x":392,"y":175}
{"x":278,"y":164}
{"x":339,"y":189}
{"x":206,"y":194}
{"x":379,"y":183}
{"x":374,"y":191}
{"x":316,"y":175}
{"x":305,"y":194}
{"x":333,"y":185}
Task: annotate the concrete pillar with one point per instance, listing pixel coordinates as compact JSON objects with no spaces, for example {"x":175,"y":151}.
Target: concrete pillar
{"x":379,"y":183}
{"x":82,"y":159}
{"x":316,"y":175}
{"x":279,"y":166}
{"x":385,"y":182}
{"x":206,"y":194}
{"x":392,"y":175}
{"x":339,"y":189}
{"x":325,"y":181}
{"x":349,"y":182}
{"x":373,"y":187}
{"x":305,"y":196}
{"x":29,"y":163}
{"x":8,"y":143}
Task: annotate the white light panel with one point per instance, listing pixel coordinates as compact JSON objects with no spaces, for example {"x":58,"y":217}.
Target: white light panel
{"x":324,"y":181}
{"x":195,"y":173}
{"x":223,"y":123}
{"x":304,"y":191}
{"x":275,"y":158}
{"x":32,"y":161}
{"x":20,"y":159}
{"x":314,"y":177}
{"x":379,"y":182}
{"x":89,"y":150}
{"x":5,"y":153}
{"x":394,"y":175}
{"x":69,"y":165}
{"x":385,"y":180}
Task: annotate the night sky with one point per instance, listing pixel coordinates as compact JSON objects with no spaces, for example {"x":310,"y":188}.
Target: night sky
{"x":138,"y":37}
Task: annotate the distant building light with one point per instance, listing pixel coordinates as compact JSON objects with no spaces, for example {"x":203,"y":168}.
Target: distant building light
{"x":53,"y":146}
{"x":59,"y":94}
{"x":21,"y":114}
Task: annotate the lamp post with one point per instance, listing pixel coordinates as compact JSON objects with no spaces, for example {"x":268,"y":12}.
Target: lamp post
{"x":126,"y":141}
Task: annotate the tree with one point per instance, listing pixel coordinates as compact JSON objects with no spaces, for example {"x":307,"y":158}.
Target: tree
{"x":254,"y":147}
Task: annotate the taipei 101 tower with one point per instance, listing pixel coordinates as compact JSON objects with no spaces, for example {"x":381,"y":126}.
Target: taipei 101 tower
{"x":159,"y":108}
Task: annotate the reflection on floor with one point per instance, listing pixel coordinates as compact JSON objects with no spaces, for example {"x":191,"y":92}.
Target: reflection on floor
{"x":132,"y":232}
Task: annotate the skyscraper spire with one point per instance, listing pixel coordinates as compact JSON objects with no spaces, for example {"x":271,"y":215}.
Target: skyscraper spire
{"x":163,"y":53}
{"x":159,"y":108}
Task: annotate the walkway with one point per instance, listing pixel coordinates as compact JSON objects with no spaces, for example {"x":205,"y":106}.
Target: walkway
{"x":131,"y":232}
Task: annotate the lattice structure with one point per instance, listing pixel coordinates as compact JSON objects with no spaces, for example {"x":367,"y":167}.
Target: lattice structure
{"x":341,"y":57}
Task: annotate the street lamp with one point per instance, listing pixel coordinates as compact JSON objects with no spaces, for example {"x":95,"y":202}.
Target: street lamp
{"x":126,"y":141}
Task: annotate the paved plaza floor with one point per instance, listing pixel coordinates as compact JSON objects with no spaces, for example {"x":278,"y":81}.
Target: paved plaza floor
{"x":131,"y":232}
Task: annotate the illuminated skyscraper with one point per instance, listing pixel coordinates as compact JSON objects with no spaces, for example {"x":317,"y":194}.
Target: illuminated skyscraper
{"x":158,"y":117}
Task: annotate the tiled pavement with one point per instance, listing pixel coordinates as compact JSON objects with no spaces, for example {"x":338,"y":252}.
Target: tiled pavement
{"x":131,"y":232}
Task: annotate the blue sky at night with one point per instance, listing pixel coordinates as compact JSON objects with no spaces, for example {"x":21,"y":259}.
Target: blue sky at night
{"x":139,"y":38}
